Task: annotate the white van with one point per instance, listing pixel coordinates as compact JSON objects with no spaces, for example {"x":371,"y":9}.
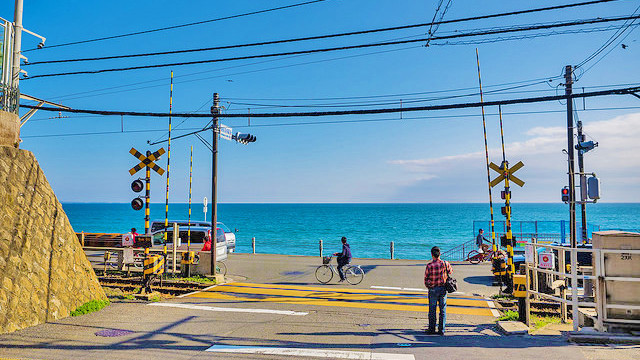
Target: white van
{"x":229,"y":235}
{"x":199,"y":235}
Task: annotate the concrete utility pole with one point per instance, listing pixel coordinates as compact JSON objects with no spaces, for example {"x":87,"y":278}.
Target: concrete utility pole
{"x":583,"y":185}
{"x":17,"y":42}
{"x":215,"y":110}
{"x":568,"y":80}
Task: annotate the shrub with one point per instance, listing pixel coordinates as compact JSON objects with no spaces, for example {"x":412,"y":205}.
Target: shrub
{"x":509,"y":315}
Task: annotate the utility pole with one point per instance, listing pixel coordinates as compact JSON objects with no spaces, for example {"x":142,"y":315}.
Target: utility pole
{"x":17,"y":43}
{"x":215,"y":110}
{"x":568,"y":79}
{"x":583,"y":185}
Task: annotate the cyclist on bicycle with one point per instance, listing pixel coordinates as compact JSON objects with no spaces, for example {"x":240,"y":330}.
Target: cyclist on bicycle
{"x":344,"y":258}
{"x":480,"y":239}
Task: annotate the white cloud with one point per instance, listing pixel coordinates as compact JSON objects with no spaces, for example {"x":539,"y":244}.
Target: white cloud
{"x":616,"y":160}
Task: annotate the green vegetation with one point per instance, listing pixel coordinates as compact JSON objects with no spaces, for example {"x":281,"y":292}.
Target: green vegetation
{"x":91,"y":306}
{"x":509,"y":315}
{"x":502,"y":297}
{"x":540,"y":321}
{"x":195,"y":278}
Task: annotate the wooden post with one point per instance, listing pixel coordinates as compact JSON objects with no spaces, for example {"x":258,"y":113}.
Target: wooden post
{"x":82,"y":238}
{"x":391,"y":249}
{"x":320,"y":246}
{"x":253,"y":244}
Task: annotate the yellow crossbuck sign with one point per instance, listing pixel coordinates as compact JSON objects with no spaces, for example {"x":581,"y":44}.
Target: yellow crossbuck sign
{"x":147,"y":161}
{"x":505,"y":171}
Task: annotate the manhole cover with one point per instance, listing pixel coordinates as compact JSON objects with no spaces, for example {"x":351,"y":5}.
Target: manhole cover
{"x":113,"y":332}
{"x":364,"y":325}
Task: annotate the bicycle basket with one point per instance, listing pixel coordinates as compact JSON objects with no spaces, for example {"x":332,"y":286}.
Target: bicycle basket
{"x":326,"y":259}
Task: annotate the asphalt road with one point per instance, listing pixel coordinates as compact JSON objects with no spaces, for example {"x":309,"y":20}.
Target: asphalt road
{"x":273,"y":308}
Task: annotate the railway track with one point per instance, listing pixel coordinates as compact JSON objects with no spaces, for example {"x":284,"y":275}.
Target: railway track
{"x":171,"y":287}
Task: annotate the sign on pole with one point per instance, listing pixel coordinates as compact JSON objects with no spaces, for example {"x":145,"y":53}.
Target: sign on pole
{"x":528,"y":253}
{"x":546,"y":260}
{"x":204,"y":209}
{"x":226,"y":132}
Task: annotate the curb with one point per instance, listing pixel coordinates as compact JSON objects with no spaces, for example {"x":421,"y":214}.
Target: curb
{"x":512,"y":328}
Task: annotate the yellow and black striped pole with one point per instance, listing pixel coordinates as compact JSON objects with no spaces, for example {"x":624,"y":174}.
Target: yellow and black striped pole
{"x":147,"y":197}
{"x":507,"y":204}
{"x":486,"y":152}
{"x":166,"y":203}
{"x":189,"y":218}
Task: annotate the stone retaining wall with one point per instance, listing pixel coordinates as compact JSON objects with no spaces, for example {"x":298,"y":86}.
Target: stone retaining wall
{"x":44,"y":273}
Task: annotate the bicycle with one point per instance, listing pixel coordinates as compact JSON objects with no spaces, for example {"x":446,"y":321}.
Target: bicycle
{"x":324,"y":273}
{"x":474,"y":257}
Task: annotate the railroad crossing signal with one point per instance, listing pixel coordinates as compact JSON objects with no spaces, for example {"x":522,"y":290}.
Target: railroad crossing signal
{"x":505,"y":171}
{"x":147,"y":161}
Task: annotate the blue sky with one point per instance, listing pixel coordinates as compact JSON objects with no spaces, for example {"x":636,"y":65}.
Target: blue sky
{"x":425,"y":157}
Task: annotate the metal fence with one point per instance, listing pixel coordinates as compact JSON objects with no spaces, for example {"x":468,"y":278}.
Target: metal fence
{"x":9,"y":94}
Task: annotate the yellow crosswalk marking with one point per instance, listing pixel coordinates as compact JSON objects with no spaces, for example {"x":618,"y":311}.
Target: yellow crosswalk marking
{"x":352,"y":298}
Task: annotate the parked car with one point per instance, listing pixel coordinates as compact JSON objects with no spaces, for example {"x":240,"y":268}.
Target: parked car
{"x":199,"y":235}
{"x":229,"y":235}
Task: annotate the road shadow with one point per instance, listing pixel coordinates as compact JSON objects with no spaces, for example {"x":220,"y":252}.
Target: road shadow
{"x":479,"y":280}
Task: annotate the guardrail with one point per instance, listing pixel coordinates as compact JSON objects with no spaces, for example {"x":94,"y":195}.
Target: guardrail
{"x":596,"y":309}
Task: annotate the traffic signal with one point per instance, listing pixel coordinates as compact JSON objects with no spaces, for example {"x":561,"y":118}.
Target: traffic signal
{"x":137,"y":204}
{"x":137,"y":185}
{"x":565,"y":194}
{"x":244,"y":138}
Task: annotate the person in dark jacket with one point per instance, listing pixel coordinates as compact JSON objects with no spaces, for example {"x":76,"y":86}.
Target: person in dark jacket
{"x":344,"y":258}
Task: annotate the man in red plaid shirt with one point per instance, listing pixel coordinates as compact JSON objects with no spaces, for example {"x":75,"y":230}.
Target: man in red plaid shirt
{"x":435,"y":276}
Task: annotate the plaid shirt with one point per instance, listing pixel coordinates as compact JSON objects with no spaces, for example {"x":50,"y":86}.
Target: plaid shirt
{"x":436,"y":273}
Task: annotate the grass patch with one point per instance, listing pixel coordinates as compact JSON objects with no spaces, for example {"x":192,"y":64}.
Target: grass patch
{"x":540,"y":321}
{"x":509,"y":315}
{"x":195,"y":278}
{"x":503,"y":297}
{"x":89,"y":307}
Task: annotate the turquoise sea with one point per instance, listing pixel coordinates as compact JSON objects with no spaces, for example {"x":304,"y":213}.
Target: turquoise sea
{"x":296,"y":228}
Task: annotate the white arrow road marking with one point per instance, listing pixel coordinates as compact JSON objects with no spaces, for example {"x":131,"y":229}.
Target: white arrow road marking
{"x":324,"y":353}
{"x":214,"y":308}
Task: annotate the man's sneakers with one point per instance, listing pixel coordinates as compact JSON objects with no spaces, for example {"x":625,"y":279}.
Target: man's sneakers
{"x":341,"y":280}
{"x":433,"y":332}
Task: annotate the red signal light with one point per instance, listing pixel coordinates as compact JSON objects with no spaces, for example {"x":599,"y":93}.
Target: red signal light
{"x":137,"y":204}
{"x":137,"y":186}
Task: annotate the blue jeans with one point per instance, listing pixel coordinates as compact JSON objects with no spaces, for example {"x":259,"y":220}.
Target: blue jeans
{"x":437,"y":297}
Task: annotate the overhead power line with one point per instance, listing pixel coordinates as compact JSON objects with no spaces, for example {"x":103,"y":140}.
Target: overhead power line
{"x":327,"y":36}
{"x":332,"y":122}
{"x":619,"y":91}
{"x":351,"y":47}
{"x":179,"y":26}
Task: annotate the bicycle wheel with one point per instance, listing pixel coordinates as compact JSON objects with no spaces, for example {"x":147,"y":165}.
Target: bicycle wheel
{"x":221,"y":268}
{"x":354,"y":275}
{"x":474,"y":257}
{"x":324,"y":274}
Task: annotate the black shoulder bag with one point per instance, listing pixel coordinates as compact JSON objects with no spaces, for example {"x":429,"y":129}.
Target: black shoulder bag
{"x":451,"y":285}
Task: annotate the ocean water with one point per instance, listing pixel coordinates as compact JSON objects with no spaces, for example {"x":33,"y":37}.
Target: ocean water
{"x":295,"y":229}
